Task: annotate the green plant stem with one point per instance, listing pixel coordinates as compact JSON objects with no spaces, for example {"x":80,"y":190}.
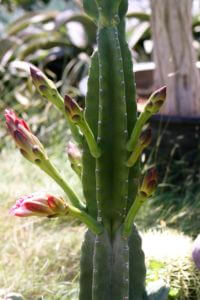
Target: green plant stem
{"x":92,"y":224}
{"x":50,"y":169}
{"x":58,"y":101}
{"x":135,"y":155}
{"x":139,"y":201}
{"x":144,"y":116}
{"x":92,"y":144}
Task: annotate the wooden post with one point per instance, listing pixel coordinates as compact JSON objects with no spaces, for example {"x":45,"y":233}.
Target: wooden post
{"x":175,"y":56}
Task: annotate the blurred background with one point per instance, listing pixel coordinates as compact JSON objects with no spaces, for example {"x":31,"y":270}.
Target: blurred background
{"x":40,"y":258}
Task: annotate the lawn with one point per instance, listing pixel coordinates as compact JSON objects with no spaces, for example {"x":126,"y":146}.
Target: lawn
{"x":40,"y":257}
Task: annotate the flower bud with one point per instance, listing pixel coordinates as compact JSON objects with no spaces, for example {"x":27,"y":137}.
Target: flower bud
{"x":156,"y":100}
{"x":145,"y":138}
{"x":25,"y":140}
{"x":149,"y":183}
{"x":44,"y":85}
{"x":143,"y":141}
{"x":74,"y":155}
{"x":196,"y":252}
{"x":73,"y":110}
{"x":39,"y":204}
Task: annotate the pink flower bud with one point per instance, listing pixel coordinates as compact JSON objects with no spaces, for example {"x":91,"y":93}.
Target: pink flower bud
{"x":25,"y":140}
{"x":73,"y":151}
{"x":149,"y":183}
{"x":74,"y":155}
{"x":73,"y":110}
{"x":38,"y":204}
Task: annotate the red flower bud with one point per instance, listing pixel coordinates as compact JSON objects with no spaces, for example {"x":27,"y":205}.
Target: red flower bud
{"x":25,"y":140}
{"x":38,"y":204}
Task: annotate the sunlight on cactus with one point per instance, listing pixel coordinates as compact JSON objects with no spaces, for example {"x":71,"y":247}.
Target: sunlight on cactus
{"x":109,"y":142}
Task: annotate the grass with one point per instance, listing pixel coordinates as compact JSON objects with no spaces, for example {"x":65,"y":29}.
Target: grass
{"x":40,"y":257}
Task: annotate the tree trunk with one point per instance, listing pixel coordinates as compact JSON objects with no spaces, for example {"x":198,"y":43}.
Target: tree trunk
{"x":175,"y":57}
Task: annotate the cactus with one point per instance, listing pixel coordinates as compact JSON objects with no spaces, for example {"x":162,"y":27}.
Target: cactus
{"x":111,"y":140}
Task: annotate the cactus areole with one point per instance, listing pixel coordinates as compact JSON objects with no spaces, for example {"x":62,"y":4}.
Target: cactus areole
{"x":111,"y":139}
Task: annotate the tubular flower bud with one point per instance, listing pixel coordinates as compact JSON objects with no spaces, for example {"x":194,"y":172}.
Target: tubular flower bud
{"x":39,"y":204}
{"x":44,"y":85}
{"x":73,"y":110}
{"x":73,"y":152}
{"x":149,"y":183}
{"x":145,"y":138}
{"x":196,"y":252}
{"x":74,"y":155}
{"x":143,"y":142}
{"x":156,"y":100}
{"x":25,"y":140}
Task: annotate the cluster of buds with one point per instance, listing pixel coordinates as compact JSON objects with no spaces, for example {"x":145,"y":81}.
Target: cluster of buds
{"x":156,"y":100}
{"x":25,"y":140}
{"x":39,"y":204}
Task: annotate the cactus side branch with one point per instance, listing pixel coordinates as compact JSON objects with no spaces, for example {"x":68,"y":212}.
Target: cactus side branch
{"x":92,"y":224}
{"x":128,"y":223}
{"x":152,"y":107}
{"x":50,"y":169}
{"x":47,"y":89}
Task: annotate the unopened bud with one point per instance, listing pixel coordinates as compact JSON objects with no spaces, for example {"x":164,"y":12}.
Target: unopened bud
{"x":44,"y":85}
{"x":39,"y":204}
{"x":156,"y":100}
{"x":145,"y":138}
{"x":74,"y":155}
{"x":74,"y":111}
{"x":25,"y":140}
{"x":143,"y":142}
{"x":149,"y":183}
